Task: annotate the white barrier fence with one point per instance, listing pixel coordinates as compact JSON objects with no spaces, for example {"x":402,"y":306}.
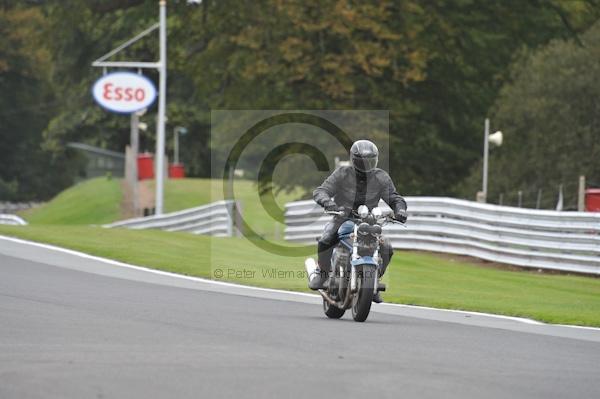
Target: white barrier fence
{"x":13,"y":207}
{"x":567,"y":241}
{"x":12,"y":220}
{"x":214,"y":219}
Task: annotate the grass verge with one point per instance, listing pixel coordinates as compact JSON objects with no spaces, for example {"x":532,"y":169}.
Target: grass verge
{"x":186,"y":193}
{"x":97,"y":201}
{"x":413,"y":278}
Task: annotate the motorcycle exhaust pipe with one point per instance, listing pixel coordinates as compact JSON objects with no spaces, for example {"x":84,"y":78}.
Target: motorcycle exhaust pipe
{"x":311,"y":266}
{"x":328,"y":298}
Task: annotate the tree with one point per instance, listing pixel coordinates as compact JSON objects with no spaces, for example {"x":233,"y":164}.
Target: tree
{"x":549,"y":112}
{"x":436,"y":65}
{"x":25,"y":104}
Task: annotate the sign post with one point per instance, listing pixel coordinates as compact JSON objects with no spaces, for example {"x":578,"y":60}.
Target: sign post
{"x":160,"y":128}
{"x":124,"y":92}
{"x":134,"y":144}
{"x":118,"y":98}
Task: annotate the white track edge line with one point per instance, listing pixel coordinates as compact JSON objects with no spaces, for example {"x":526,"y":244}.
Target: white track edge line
{"x":273,"y":290}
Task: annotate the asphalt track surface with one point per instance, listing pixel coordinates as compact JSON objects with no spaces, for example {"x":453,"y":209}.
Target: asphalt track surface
{"x":78,"y":327}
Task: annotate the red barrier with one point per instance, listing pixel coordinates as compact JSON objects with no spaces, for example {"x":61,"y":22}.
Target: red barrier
{"x":592,"y":200}
{"x":176,"y":171}
{"x":145,"y":166}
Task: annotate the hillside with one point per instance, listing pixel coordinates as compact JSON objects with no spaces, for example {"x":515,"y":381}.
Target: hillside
{"x":98,"y":201}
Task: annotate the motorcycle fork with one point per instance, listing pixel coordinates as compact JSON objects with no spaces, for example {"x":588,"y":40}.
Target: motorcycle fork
{"x":353,"y":274}
{"x":378,"y":267}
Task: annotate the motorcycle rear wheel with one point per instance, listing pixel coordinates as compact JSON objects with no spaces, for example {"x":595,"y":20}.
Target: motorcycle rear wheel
{"x":333,"y":312}
{"x":361,"y":303}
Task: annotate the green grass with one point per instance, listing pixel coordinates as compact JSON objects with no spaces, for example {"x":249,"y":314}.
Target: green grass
{"x":187,"y":193}
{"x":97,"y":201}
{"x":413,"y":278}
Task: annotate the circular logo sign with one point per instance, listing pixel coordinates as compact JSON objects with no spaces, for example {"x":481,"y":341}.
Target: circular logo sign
{"x":124,"y":92}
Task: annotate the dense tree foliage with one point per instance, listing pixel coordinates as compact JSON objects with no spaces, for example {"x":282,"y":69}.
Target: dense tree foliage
{"x":437,"y":66}
{"x":549,"y":112}
{"x":25,"y":107}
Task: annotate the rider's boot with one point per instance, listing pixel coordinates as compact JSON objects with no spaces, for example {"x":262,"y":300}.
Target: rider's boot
{"x":318,"y":280}
{"x":386,"y":253}
{"x":377,"y":297}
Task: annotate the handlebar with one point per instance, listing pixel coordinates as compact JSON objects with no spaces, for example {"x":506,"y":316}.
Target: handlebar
{"x":337,"y":213}
{"x":388,"y":218}
{"x":396,"y":221}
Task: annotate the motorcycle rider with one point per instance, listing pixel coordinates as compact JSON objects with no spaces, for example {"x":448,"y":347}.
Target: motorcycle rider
{"x":348,"y":187}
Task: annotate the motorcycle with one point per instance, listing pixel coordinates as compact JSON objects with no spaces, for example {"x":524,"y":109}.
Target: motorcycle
{"x":355,"y":263}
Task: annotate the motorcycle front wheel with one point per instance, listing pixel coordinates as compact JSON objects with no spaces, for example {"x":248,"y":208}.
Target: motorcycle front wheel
{"x":361,"y":303}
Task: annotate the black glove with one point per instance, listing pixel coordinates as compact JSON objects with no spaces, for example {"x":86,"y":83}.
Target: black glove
{"x":330,"y":206}
{"x":401,"y":215}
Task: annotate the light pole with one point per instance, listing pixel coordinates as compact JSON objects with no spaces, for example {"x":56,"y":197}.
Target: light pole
{"x":496,"y":139}
{"x":176,"y":132}
{"x":162,"y":91}
{"x":161,"y":66}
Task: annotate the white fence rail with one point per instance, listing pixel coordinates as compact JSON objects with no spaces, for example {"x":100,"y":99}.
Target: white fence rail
{"x":13,"y":207}
{"x":567,"y":241}
{"x":12,"y":220}
{"x":215,"y":219}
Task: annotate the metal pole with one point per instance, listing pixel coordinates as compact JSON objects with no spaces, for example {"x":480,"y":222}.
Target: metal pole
{"x":162,"y":94}
{"x":581,"y":194}
{"x":486,"y":147}
{"x":126,"y":44}
{"x":538,"y":202}
{"x":176,"y":145}
{"x":520,"y":198}
{"x":134,"y":143}
{"x":560,"y":204}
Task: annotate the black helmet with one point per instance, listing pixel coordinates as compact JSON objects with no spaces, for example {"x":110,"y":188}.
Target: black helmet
{"x":364,"y":155}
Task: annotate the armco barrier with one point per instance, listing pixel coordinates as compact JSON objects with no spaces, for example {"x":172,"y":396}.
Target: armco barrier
{"x":215,"y":219}
{"x":11,"y":208}
{"x":567,"y":241}
{"x":13,"y":220}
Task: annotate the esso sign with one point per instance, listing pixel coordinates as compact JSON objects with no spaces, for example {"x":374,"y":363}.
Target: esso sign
{"x":124,"y":92}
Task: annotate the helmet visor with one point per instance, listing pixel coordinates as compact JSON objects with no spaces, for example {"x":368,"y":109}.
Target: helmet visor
{"x":364,"y":164}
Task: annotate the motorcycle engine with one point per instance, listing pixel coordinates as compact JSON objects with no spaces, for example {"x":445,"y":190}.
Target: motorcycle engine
{"x":341,"y":256}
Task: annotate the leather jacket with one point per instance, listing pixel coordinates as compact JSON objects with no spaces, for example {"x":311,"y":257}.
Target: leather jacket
{"x":352,"y":188}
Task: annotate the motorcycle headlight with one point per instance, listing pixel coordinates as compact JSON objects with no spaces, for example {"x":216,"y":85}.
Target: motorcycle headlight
{"x":377,"y":212}
{"x":363,"y":211}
